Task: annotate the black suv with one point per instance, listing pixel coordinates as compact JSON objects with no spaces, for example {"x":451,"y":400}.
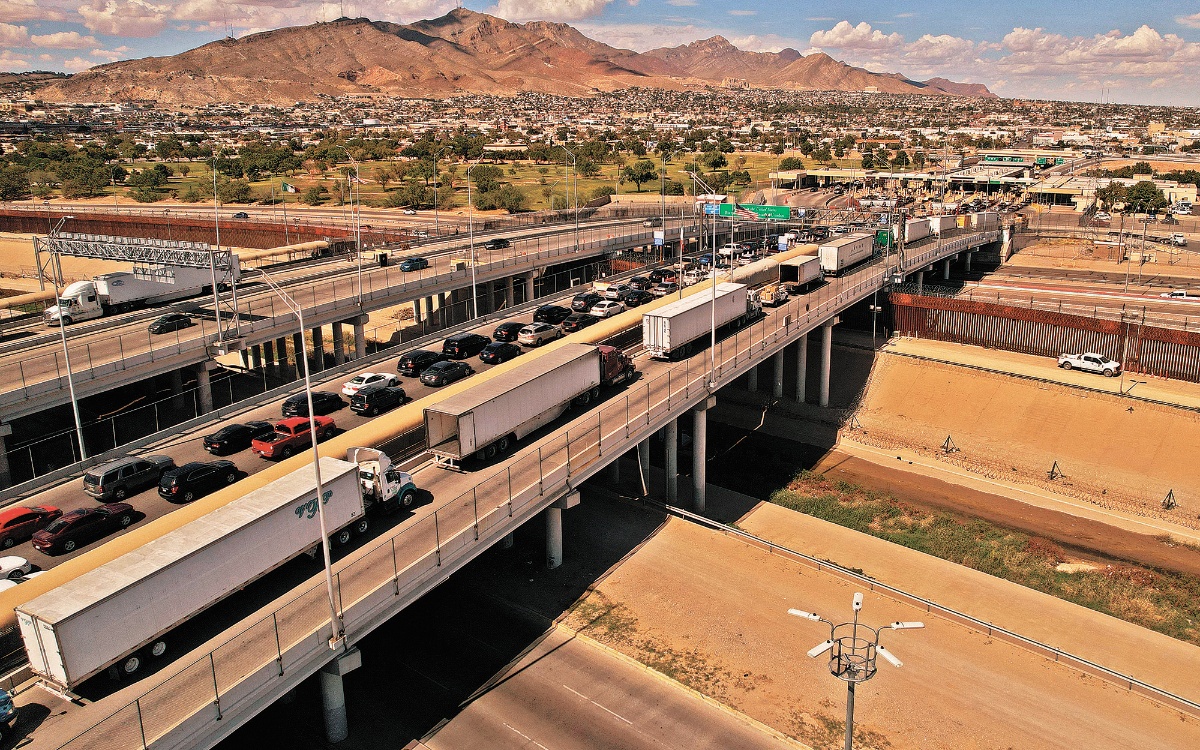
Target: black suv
{"x":122,"y":477}
{"x":498,"y":243}
{"x":552,"y":314}
{"x":235,"y":437}
{"x":463,"y":345}
{"x":417,"y":361}
{"x":586,"y":301}
{"x":507,"y":331}
{"x":376,"y":399}
{"x":323,"y":403}
{"x":196,"y":479}
{"x":641,"y":283}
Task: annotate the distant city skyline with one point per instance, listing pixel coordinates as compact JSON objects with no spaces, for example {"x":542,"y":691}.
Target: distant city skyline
{"x":1118,"y":52}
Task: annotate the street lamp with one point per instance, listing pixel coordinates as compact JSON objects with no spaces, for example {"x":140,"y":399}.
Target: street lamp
{"x":357,"y":223}
{"x":339,"y":630}
{"x":567,"y":188}
{"x":854,"y":648}
{"x":471,"y":234}
{"x":662,"y":192}
{"x":712,"y":349}
{"x":62,"y":332}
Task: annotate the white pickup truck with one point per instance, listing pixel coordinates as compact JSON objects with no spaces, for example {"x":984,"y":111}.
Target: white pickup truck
{"x":1090,"y":362}
{"x":1178,"y":239}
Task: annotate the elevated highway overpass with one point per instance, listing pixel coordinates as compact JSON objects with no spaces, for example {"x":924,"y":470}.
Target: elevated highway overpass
{"x":203,"y":696}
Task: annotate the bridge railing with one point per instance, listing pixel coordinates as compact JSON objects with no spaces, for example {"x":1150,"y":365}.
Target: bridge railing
{"x":375,"y":582}
{"x":46,"y":373}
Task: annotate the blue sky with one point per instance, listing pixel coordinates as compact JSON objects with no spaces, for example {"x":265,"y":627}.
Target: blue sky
{"x":1147,"y":52}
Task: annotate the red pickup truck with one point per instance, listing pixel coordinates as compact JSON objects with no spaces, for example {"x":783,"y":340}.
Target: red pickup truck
{"x":291,"y":435}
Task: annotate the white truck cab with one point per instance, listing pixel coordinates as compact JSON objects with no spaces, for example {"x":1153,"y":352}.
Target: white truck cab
{"x":1178,"y":239}
{"x":381,"y":482}
{"x":1090,"y":362}
{"x":79,"y":301}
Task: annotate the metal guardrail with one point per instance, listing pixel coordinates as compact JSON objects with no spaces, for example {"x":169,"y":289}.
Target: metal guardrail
{"x":265,"y":319}
{"x":993,"y":631}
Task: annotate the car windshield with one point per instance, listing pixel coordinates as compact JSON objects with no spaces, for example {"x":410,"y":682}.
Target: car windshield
{"x":57,"y":525}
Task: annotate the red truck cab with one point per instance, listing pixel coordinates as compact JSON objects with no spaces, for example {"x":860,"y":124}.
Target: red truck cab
{"x":291,"y":435}
{"x":615,"y":366}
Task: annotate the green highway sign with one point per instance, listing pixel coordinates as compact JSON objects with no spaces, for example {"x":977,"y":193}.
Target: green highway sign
{"x":781,"y":213}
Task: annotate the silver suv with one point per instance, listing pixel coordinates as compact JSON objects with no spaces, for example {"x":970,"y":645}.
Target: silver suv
{"x":122,"y":477}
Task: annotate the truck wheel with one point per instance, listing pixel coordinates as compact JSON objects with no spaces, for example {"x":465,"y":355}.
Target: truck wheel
{"x":502,"y":444}
{"x":374,"y":411}
{"x":67,"y":320}
{"x":342,"y":536}
{"x":363,"y":525}
{"x":406,"y":499}
{"x":158,"y":648}
{"x":490,"y":451}
{"x":131,"y":665}
{"x":286,"y":452}
{"x":1109,"y":373}
{"x":584,"y":398}
{"x":1065,"y":365}
{"x":595,"y":394}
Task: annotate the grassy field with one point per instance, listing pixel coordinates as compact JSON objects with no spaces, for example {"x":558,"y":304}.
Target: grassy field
{"x":537,"y":181}
{"x":1164,"y":601}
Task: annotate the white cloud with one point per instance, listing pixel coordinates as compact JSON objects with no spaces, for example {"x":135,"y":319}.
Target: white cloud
{"x":76,"y":64}
{"x":123,"y":17}
{"x":682,"y":3}
{"x":1192,"y":21}
{"x":30,"y":10}
{"x":12,"y":61}
{"x":641,"y":37}
{"x":548,"y":10}
{"x":860,"y":37}
{"x":64,"y":40}
{"x":12,"y":35}
{"x":743,"y":12}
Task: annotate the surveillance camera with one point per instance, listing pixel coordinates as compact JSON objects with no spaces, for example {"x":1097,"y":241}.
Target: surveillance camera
{"x":858,"y":602}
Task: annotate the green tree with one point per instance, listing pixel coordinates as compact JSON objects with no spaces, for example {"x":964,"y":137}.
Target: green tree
{"x":640,"y":171}
{"x":868,"y":160}
{"x":791,"y":163}
{"x":14,"y":182}
{"x":713,"y":160}
{"x":1111,"y":194}
{"x":1142,"y":167}
{"x":900,"y":160}
{"x":486,"y":177}
{"x":314,"y":196}
{"x":1144,"y":196}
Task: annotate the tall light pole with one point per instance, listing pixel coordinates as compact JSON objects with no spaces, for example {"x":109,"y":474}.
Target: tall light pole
{"x":335,"y":620}
{"x":212,"y":263}
{"x":712,"y":349}
{"x":471,"y":234}
{"x":854,"y":649}
{"x":567,"y":187}
{"x":357,"y":224}
{"x":62,"y":332}
{"x":662,"y":192}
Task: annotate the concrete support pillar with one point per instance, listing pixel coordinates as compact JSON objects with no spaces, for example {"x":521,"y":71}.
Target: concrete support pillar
{"x":946,"y":269}
{"x":671,"y":462}
{"x":643,"y":451}
{"x":752,"y":379}
{"x":699,"y":452}
{"x":333,"y":695}
{"x":508,"y":292}
{"x":529,"y":288}
{"x":489,"y":296}
{"x":416,"y":305}
{"x":204,"y":388}
{"x":554,"y":548}
{"x":297,"y":348}
{"x":360,"y":337}
{"x":826,"y":355}
{"x":268,"y":350}
{"x":177,"y":389}
{"x":777,"y":386}
{"x":256,"y":357}
{"x":967,"y":261}
{"x":318,"y":350}
{"x":614,"y":472}
{"x":5,"y":469}
{"x":429,"y":310}
{"x":443,"y":315}
{"x":802,"y":369}
{"x":281,"y":352}
{"x":244,"y":358}
{"x":339,"y":345}
{"x":920,"y":281}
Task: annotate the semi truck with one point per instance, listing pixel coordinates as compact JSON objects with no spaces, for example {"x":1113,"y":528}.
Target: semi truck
{"x":382,"y":484}
{"x":122,"y":291}
{"x":842,"y":253}
{"x":671,"y":331}
{"x":916,"y":229}
{"x":801,"y":272}
{"x":491,"y":417}
{"x":120,"y":614}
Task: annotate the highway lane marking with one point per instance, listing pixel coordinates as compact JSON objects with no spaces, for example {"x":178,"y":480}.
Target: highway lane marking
{"x":597,"y":705}
{"x":527,"y":737}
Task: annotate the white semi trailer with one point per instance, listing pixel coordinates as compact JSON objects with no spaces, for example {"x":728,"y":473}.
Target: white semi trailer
{"x":491,"y":417}
{"x":120,"y":613}
{"x":840,"y":254}
{"x":673,"y":330}
{"x":122,"y":291}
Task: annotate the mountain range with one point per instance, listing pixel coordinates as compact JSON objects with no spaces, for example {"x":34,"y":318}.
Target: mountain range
{"x":461,"y":52}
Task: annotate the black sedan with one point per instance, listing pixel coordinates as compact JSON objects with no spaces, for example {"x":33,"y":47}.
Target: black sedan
{"x":235,"y":437}
{"x":641,"y":282}
{"x":323,"y":403}
{"x":445,"y":373}
{"x":637,"y":297}
{"x":586,"y":301}
{"x":577,"y":322}
{"x":497,"y":244}
{"x":168,"y":323}
{"x":83,"y":526}
{"x":499,"y":351}
{"x":507,"y":331}
{"x":552,"y":314}
{"x":196,"y":479}
{"x":417,"y":361}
